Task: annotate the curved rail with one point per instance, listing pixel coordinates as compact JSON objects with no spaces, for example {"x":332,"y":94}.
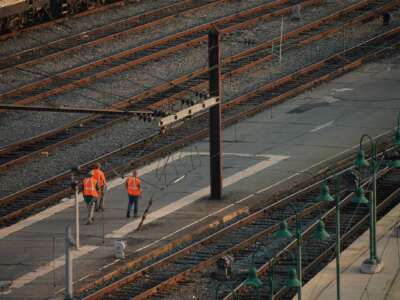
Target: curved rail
{"x":157,"y":145}
{"x":239,"y":240}
{"x":151,"y":99}
{"x":88,"y":73}
{"x":109,"y":32}
{"x":316,"y":255}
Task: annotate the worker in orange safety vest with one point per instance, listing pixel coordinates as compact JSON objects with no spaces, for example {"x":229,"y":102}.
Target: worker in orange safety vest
{"x":90,"y":195}
{"x":98,"y":174}
{"x":133,"y":187}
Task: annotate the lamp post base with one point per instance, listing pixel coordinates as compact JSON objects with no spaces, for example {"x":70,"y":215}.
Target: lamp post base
{"x":371,"y":266}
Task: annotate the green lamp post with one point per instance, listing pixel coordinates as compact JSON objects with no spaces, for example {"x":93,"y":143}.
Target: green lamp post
{"x":284,"y":232}
{"x":325,"y":196}
{"x":397,"y":134}
{"x":373,"y":264}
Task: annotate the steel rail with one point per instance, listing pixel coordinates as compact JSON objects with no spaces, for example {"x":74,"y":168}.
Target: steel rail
{"x":230,"y":231}
{"x":15,"y":153}
{"x":128,"y":59}
{"x":47,"y":24}
{"x":105,"y":33}
{"x":268,"y":212}
{"x":312,"y":262}
{"x":158,"y":145}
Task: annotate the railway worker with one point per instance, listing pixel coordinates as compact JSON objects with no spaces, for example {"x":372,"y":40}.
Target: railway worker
{"x":98,"y":174}
{"x":90,"y":195}
{"x":133,"y":187}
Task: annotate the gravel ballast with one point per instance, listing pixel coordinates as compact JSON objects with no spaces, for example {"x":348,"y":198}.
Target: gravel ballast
{"x":124,"y":133}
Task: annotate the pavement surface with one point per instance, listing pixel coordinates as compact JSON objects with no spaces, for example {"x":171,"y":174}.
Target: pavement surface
{"x":262,"y":155}
{"x":355,"y":285}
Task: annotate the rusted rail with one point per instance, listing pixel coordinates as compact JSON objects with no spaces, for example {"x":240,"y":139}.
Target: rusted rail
{"x":159,"y":96}
{"x":234,"y":110}
{"x":239,"y":239}
{"x":62,"y":20}
{"x":88,"y":73}
{"x":354,"y":221}
{"x":105,"y":33}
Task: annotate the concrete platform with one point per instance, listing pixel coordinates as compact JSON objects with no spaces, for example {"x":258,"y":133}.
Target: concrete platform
{"x":262,"y":155}
{"x":355,"y":285}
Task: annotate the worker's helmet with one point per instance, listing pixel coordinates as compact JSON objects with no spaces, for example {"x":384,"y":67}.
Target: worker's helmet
{"x":90,"y":173}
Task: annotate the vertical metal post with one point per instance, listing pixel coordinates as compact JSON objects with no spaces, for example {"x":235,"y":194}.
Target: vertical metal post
{"x":271,"y":281}
{"x":374,"y":166}
{"x":76,"y":187}
{"x":299,"y":266}
{"x":281,"y":42}
{"x":337,"y":199}
{"x":69,"y":243}
{"x":54,"y":261}
{"x":215,"y":115}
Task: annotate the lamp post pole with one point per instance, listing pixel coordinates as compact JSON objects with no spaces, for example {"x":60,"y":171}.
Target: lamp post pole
{"x":325,"y":196}
{"x":337,"y":202}
{"x":299,"y":265}
{"x":271,"y":281}
{"x":373,"y":264}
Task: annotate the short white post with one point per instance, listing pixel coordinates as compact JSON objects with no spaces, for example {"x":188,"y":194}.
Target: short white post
{"x":69,"y":243}
{"x":76,"y":188}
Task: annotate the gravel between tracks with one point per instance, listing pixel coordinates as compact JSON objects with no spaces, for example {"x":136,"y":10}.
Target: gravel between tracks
{"x":126,"y":84}
{"x":75,"y":25}
{"x":185,"y":21}
{"x":122,"y":134}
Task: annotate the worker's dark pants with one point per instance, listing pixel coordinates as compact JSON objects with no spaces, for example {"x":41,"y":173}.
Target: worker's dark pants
{"x":133,"y":200}
{"x":100,"y":199}
{"x":90,"y":203}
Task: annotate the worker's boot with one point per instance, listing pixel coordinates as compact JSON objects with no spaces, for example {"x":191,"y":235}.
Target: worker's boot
{"x":128,"y":214}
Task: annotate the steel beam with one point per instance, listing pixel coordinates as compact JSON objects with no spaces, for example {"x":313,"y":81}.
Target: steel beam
{"x":214,"y":63}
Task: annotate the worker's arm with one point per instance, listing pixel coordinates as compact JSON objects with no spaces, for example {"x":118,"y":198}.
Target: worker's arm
{"x":104,"y":179}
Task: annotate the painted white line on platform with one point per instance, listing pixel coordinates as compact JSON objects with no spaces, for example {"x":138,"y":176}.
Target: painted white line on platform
{"x":189,"y":199}
{"x":256,"y":193}
{"x":318,"y":128}
{"x":69,"y":202}
{"x":31,"y":276}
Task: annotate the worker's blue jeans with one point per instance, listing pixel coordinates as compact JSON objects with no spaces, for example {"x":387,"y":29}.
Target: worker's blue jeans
{"x":133,"y":200}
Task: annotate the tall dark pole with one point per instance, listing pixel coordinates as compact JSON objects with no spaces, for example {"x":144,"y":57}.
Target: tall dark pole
{"x":214,"y":63}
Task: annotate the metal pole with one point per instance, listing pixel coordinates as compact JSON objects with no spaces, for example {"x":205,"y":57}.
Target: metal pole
{"x":76,"y":187}
{"x":371,"y":226}
{"x":69,"y":243}
{"x":337,"y":199}
{"x":281,"y":41}
{"x":215,"y":115}
{"x":271,"y":282}
{"x":299,"y":266}
{"x":374,"y":166}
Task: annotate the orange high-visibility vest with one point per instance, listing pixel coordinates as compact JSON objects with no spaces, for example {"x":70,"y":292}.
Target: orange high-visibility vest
{"x":89,"y":187}
{"x":133,"y":184}
{"x":99,"y":176}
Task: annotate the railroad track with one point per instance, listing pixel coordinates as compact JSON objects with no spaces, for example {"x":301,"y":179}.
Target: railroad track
{"x":109,"y":32}
{"x":88,"y":73}
{"x":315,"y":254}
{"x":8,"y":35}
{"x":240,"y":240}
{"x":161,"y":95}
{"x":42,"y":194}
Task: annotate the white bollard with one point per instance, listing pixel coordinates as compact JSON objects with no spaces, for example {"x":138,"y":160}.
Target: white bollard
{"x":119,"y":248}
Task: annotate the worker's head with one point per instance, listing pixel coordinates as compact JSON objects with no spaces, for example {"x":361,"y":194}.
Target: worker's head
{"x":134,"y":173}
{"x":97,"y":166}
{"x":90,"y":173}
